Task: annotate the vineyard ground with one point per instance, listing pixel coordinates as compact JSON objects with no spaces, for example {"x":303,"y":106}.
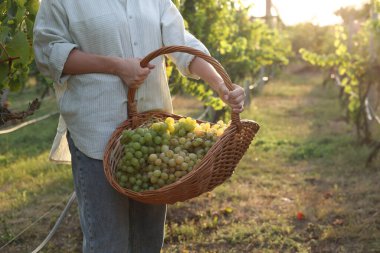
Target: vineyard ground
{"x":305,"y":160}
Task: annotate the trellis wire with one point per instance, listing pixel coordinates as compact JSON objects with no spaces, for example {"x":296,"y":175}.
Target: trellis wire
{"x":10,"y":130}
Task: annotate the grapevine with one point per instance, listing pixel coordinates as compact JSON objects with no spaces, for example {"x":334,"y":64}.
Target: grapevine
{"x":16,"y":33}
{"x":355,"y":65}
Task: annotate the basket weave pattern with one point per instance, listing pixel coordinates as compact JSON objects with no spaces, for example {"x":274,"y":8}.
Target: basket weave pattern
{"x":214,"y":168}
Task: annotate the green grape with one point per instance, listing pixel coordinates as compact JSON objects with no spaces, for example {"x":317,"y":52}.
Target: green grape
{"x":148,"y":137}
{"x":164,"y":148}
{"x":187,"y":145}
{"x":181,"y":132}
{"x":193,"y":156}
{"x":208,"y":143}
{"x":144,"y":150}
{"x":135,"y":163}
{"x":158,"y":149}
{"x":172,"y":163}
{"x":138,"y":154}
{"x":142,"y":162}
{"x":172,"y":177}
{"x":132,"y":180}
{"x":184,"y":166}
{"x":160,"y":182}
{"x":138,"y":182}
{"x":164,"y":176}
{"x":179,"y":160}
{"x":140,"y":131}
{"x":174,"y":142}
{"x":145,"y":178}
{"x":130,"y":170}
{"x":166,"y":160}
{"x":153,"y":157}
{"x":178,"y":174}
{"x":153,"y":179}
{"x":123,"y":178}
{"x":123,"y":167}
{"x":157,"y":140}
{"x":169,"y":153}
{"x":163,"y":127}
{"x":151,"y":150}
{"x":135,"y":137}
{"x":136,"y":145}
{"x":189,"y":127}
{"x":157,"y":173}
{"x":128,"y":155}
{"x":156,"y":127}
{"x":158,"y":162}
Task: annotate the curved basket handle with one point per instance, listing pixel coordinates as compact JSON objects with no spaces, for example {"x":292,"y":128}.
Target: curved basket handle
{"x":132,"y":111}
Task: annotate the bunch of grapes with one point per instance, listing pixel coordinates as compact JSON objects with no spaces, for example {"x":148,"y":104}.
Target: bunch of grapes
{"x":162,"y":152}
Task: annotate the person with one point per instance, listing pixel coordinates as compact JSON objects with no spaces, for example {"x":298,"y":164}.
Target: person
{"x":92,"y":50}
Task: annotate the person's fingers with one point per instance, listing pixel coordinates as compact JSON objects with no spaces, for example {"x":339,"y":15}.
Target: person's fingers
{"x":151,"y":66}
{"x":237,"y":100}
{"x":235,"y":93}
{"x":223,"y":91}
{"x":238,"y":109}
{"x":145,"y":72}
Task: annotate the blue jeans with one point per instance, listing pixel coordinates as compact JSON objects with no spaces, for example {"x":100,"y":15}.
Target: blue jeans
{"x":111,"y":222}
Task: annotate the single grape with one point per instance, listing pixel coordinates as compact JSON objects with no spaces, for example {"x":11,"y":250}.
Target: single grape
{"x":157,"y":173}
{"x":152,"y":158}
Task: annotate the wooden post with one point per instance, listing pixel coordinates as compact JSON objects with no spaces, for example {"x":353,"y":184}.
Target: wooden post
{"x":4,"y":98}
{"x":268,"y":13}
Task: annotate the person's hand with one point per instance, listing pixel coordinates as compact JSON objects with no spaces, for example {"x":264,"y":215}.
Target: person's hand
{"x":234,"y":98}
{"x":131,"y":73}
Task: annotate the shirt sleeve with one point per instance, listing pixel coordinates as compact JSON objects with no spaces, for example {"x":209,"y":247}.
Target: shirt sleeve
{"x":51,"y":40}
{"x":174,"y":33}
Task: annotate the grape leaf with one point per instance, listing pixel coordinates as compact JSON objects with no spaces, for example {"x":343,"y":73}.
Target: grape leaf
{"x":33,"y":6}
{"x":19,"y":46}
{"x":4,"y":33}
{"x":20,"y":3}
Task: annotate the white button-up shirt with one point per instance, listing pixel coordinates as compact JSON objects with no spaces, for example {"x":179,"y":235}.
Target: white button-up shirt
{"x":93,"y":105}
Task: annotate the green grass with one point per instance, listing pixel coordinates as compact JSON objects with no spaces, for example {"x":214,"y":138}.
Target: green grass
{"x":305,"y":158}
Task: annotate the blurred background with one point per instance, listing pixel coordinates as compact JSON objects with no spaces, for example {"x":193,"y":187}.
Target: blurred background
{"x":309,"y":181}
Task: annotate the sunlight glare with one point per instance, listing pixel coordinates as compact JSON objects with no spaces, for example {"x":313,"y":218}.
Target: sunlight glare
{"x":319,"y":12}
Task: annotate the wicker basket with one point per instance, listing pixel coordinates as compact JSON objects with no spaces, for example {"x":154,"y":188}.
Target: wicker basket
{"x":215,"y":167}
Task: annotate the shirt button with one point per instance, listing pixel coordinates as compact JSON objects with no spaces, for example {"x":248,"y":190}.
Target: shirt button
{"x":135,"y":43}
{"x":130,"y":17}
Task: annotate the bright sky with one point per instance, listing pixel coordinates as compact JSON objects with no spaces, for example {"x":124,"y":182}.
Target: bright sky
{"x":297,"y":11}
